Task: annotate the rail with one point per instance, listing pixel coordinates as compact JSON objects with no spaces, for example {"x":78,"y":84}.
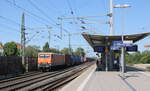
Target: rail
{"x":42,"y":81}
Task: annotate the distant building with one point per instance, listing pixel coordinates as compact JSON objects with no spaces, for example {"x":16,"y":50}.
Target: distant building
{"x":1,"y":50}
{"x":18,"y":45}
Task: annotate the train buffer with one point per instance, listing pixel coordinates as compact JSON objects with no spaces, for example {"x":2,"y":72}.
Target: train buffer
{"x":93,"y":80}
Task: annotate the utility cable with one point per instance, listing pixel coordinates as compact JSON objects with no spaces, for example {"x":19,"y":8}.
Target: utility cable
{"x":14,"y":29}
{"x":40,"y":10}
{"x":2,"y":17}
{"x":32,"y":37}
{"x":16,"y":5}
{"x":68,"y":2}
{"x":34,"y":15}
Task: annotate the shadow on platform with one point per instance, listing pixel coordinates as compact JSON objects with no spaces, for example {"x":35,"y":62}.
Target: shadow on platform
{"x":128,"y":69}
{"x":134,"y":69}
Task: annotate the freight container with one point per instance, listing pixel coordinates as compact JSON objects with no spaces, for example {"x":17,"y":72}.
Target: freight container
{"x":78,"y":60}
{"x":68,"y":60}
{"x":73,"y":60}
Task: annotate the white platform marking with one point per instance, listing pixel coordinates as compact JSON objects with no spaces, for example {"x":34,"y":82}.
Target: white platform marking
{"x":147,"y":74}
{"x":85,"y":81}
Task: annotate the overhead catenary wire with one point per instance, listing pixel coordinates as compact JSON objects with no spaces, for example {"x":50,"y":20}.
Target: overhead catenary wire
{"x":32,"y":37}
{"x":7,"y":19}
{"x":76,"y":9}
{"x":11,"y":28}
{"x":46,"y":22}
{"x":40,"y":10}
{"x":17,"y":6}
{"x":55,"y":9}
{"x":72,"y":12}
{"x":24,"y":9}
{"x":39,"y":38}
{"x":33,"y":14}
{"x":71,"y":9}
{"x":68,"y":2}
{"x":41,"y":18}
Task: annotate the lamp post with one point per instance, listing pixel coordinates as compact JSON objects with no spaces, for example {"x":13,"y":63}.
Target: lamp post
{"x":122,"y":36}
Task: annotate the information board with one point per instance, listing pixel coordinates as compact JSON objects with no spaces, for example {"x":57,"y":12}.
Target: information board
{"x":99,"y":48}
{"x":132,"y":48}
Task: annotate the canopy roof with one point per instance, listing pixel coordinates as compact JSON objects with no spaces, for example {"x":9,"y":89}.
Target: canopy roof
{"x":94,"y":40}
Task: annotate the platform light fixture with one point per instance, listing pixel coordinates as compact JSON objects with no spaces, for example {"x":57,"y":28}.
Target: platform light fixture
{"x":122,"y":6}
{"x":122,"y":36}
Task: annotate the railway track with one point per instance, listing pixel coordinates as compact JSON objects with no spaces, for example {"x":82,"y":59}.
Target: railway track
{"x":42,"y":81}
{"x":62,"y":80}
{"x":20,"y":76}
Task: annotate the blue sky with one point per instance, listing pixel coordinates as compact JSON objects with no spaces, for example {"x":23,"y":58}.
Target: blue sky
{"x":136,"y":20}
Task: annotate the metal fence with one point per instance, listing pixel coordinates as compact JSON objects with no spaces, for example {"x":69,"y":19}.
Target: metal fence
{"x":13,"y":65}
{"x":32,"y":63}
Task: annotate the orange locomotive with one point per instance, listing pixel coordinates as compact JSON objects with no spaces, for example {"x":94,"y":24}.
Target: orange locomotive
{"x":47,"y":60}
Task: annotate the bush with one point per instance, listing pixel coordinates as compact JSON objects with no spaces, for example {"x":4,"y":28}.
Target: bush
{"x":137,"y":58}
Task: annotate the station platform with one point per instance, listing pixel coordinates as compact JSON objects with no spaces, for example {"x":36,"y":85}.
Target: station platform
{"x":92,"y":80}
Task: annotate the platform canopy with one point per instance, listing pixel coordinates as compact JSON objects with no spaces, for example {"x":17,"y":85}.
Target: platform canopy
{"x":95,"y":40}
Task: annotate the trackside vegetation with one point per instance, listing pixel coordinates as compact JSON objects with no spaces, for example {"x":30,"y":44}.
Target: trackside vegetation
{"x":11,"y":49}
{"x":138,"y":57}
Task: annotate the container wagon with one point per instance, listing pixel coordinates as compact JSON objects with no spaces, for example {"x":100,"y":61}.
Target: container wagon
{"x":73,"y":60}
{"x":68,"y":60}
{"x":78,"y":60}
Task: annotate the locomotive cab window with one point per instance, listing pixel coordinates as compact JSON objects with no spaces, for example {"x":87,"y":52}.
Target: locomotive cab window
{"x":44,"y":56}
{"x":47,"y":55}
{"x":41,"y":56}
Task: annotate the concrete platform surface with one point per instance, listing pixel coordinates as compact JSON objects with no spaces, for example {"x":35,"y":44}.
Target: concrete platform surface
{"x":92,"y":80}
{"x":142,"y":66}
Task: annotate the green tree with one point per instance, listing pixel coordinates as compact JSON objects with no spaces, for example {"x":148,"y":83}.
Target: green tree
{"x":65,"y":51}
{"x":129,"y":59}
{"x":54,"y":50}
{"x":145,"y":59}
{"x":10,"y":49}
{"x":32,"y":51}
{"x":1,"y":43}
{"x":138,"y":57}
{"x":1,"y":52}
{"x":46,"y":47}
{"x":79,"y":52}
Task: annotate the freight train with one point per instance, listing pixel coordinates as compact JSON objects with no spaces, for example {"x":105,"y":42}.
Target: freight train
{"x":49,"y":60}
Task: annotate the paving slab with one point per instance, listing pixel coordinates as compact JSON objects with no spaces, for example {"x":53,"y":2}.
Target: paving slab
{"x":79,"y":81}
{"x":92,"y":80}
{"x":106,"y":81}
{"x":140,"y":81}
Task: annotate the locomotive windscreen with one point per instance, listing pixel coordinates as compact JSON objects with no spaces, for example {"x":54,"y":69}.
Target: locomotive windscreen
{"x":44,"y":55}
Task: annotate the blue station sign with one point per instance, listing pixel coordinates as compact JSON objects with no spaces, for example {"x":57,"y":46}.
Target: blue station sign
{"x":99,"y":48}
